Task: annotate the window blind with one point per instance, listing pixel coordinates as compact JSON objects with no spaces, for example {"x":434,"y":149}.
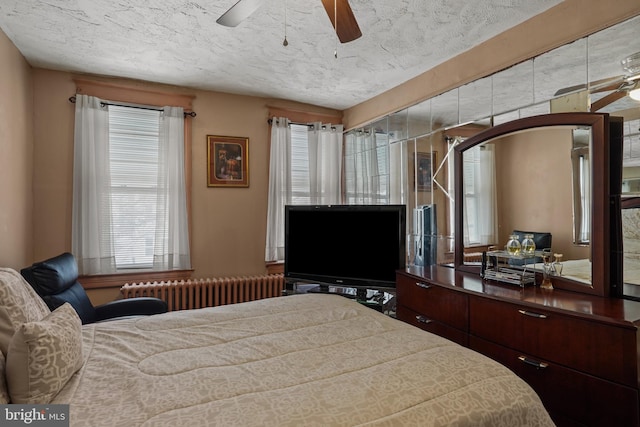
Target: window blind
{"x":133,"y":149}
{"x":300,"y":187}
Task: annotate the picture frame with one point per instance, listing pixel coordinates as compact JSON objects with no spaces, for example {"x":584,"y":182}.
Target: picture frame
{"x":424,"y":170}
{"x":227,"y":161}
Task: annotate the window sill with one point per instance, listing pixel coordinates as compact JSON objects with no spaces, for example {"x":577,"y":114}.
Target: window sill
{"x":101,"y":281}
{"x":275,"y":267}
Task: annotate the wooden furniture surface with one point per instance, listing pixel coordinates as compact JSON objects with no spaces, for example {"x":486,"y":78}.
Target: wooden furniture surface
{"x":579,"y":352}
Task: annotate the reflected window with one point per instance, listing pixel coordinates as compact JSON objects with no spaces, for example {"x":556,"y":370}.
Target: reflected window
{"x":480,"y":214}
{"x":585,"y":190}
{"x":366,"y":168}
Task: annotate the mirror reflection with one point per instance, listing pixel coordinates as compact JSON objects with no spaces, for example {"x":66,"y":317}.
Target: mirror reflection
{"x":631,"y":204}
{"x":631,"y":246}
{"x":531,"y":182}
{"x":581,"y":76}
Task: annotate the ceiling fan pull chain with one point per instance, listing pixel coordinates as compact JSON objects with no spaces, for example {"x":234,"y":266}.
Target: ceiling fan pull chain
{"x":335,"y":21}
{"x":285,"y":43}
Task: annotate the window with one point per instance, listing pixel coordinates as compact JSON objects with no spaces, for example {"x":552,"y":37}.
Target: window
{"x":480,"y":199}
{"x":300,"y":188}
{"x":130,"y":201}
{"x":133,"y":144}
{"x":305,"y":167}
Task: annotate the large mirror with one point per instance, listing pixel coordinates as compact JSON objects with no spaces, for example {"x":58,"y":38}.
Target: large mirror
{"x":539,"y":175}
{"x":583,"y":75}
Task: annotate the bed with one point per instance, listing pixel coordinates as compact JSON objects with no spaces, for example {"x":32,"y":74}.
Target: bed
{"x":313,"y":360}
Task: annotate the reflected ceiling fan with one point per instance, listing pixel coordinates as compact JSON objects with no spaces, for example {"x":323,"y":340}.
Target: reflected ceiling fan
{"x":619,"y":86}
{"x":339,"y":12}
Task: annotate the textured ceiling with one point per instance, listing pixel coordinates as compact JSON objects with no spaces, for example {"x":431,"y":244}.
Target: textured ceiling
{"x":178,"y":42}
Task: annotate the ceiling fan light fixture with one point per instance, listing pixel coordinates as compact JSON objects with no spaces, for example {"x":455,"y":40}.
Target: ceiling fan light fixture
{"x":631,"y":63}
{"x":635,"y":94}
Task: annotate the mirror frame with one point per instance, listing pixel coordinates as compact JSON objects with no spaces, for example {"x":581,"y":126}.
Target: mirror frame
{"x":603,"y":229}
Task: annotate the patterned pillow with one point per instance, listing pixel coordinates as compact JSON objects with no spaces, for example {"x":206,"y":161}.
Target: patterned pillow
{"x":4,"y":393}
{"x":19,"y":303}
{"x":44,"y":355}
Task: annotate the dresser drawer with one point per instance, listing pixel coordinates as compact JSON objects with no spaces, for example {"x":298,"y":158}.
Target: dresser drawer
{"x":423,"y":322}
{"x":600,"y":349}
{"x":438,"y":303}
{"x":567,"y":393}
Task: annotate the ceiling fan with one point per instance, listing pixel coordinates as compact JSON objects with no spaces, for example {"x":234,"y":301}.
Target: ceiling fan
{"x":619,"y":86}
{"x":339,"y":12}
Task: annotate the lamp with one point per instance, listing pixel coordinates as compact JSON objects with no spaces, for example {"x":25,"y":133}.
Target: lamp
{"x":635,"y":94}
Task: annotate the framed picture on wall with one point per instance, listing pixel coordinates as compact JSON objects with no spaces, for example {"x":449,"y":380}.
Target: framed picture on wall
{"x":424,"y":173}
{"x":227,"y":161}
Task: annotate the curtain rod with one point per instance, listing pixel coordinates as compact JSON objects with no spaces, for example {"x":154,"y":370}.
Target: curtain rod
{"x":72,"y":99}
{"x":270,"y":121}
{"x":309,"y":125}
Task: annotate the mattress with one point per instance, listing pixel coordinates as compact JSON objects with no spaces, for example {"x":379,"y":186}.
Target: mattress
{"x":312,"y":360}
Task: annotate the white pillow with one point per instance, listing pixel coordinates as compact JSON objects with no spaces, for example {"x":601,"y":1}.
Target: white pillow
{"x":44,"y":355}
{"x":4,"y":393}
{"x":19,"y":303}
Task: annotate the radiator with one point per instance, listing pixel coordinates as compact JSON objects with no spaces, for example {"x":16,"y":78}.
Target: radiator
{"x":210,"y":292}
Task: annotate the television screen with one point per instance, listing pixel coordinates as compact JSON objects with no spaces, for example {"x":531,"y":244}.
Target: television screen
{"x":345,"y":245}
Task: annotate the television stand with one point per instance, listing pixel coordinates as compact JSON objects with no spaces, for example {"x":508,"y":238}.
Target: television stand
{"x":378,"y":299}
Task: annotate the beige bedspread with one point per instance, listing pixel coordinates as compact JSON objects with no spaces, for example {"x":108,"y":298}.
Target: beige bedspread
{"x":304,"y":360}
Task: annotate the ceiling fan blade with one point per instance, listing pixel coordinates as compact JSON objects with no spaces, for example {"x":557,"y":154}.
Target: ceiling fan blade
{"x":239,"y":12}
{"x":569,"y":89}
{"x":602,"y":85}
{"x":347,"y":28}
{"x":606,"y":100}
{"x":606,"y":85}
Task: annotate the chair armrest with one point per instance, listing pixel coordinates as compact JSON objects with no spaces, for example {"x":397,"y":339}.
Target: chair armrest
{"x":140,"y":306}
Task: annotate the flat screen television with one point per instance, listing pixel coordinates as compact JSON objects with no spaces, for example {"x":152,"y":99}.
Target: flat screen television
{"x":345,"y":245}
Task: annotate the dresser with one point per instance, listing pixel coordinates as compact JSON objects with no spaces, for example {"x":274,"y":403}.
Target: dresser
{"x":579,"y":352}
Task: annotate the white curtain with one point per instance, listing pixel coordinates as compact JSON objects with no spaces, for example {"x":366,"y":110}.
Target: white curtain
{"x":361,"y":168}
{"x":171,"y":249}
{"x":279,"y":187}
{"x":480,"y":213}
{"x":325,"y":163}
{"x":91,"y":241}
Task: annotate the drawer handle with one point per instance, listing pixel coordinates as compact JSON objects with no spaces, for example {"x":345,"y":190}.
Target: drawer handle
{"x":532,"y":314}
{"x":423,"y":285}
{"x":423,"y":319}
{"x":534,"y":363}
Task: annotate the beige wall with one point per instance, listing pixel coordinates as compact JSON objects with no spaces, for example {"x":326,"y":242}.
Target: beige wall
{"x":534,"y":185}
{"x":16,"y":150}
{"x":228,"y":224}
